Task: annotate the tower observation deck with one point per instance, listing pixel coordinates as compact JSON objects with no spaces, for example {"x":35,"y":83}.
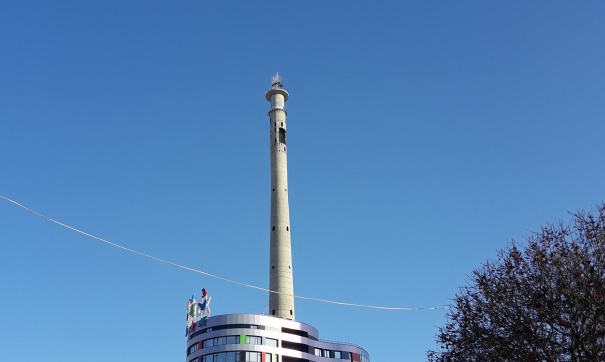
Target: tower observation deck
{"x":281,"y":299}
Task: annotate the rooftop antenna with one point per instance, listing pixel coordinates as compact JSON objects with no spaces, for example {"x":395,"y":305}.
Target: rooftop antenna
{"x":276,"y":81}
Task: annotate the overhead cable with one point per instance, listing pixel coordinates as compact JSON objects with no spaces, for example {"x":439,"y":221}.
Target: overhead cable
{"x":206,"y":273}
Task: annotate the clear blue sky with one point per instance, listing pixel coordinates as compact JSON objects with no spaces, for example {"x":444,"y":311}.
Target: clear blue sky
{"x":422,"y":137}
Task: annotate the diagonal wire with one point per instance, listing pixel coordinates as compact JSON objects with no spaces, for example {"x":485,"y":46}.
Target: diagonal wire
{"x":206,"y":273}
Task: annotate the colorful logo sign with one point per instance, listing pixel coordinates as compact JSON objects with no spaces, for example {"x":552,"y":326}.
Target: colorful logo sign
{"x":197,"y":312}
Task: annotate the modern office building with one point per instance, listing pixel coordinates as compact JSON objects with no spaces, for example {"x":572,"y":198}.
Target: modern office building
{"x":276,"y":337}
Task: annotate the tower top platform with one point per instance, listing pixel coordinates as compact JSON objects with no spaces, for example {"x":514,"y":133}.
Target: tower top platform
{"x":277,"y":88}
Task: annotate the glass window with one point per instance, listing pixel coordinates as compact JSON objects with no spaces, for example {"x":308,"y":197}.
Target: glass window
{"x":271,"y":342}
{"x":337,"y":354}
{"x":232,"y":339}
{"x":253,"y":357}
{"x":221,"y":340}
{"x":253,"y":340}
{"x":231,"y":356}
{"x":222,"y":357}
{"x":192,"y":349}
{"x":318,"y":352}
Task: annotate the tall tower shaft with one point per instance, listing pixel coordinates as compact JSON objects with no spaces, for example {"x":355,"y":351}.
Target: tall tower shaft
{"x":281,"y":304}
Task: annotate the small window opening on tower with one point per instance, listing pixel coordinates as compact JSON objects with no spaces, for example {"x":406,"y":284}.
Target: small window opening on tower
{"x":282,"y":124}
{"x":287,"y":228}
{"x":273,"y":312}
{"x":273,"y":267}
{"x":282,"y":136}
{"x":274,"y":228}
{"x":290,"y":311}
{"x":273,"y":189}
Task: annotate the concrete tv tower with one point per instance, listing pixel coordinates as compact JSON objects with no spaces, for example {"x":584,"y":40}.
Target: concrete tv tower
{"x":281,"y":304}
{"x":276,"y":337}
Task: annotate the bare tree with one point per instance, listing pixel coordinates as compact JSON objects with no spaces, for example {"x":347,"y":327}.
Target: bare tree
{"x":545,"y":302}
